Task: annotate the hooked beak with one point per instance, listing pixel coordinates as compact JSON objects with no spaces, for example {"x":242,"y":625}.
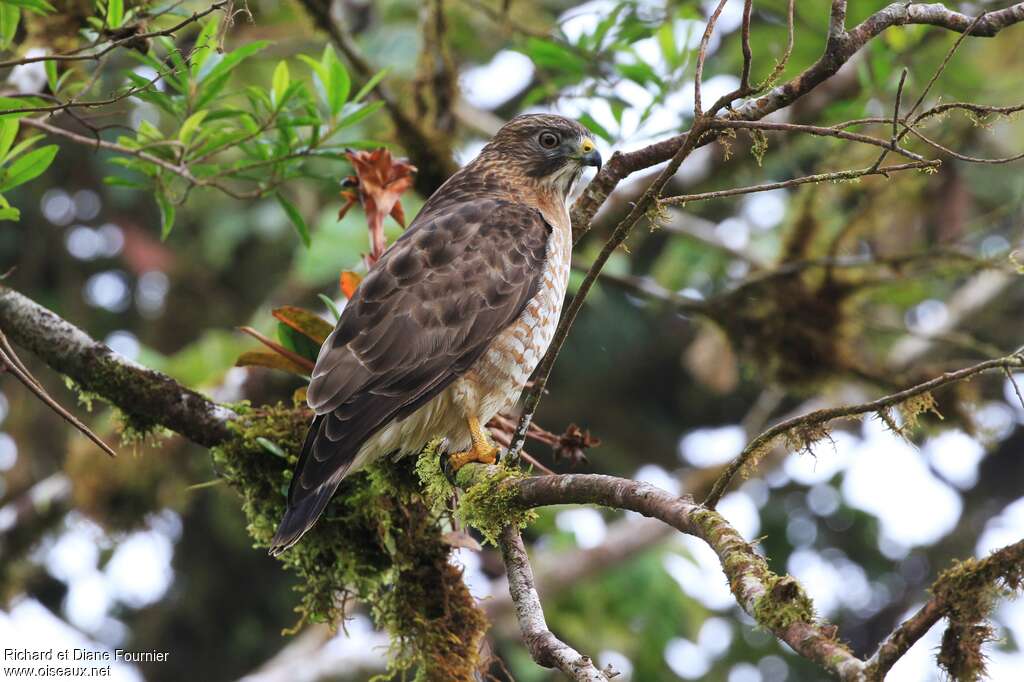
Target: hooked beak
{"x":589,"y":156}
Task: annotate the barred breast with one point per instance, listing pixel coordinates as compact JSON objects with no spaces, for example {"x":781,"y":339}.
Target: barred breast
{"x":506,"y":366}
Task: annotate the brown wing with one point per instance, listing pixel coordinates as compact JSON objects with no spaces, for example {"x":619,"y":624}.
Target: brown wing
{"x":424,"y":314}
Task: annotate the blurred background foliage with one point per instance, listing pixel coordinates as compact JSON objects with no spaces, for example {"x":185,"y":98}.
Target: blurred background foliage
{"x":790,"y":299}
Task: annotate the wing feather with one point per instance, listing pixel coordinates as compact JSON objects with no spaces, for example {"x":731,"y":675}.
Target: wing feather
{"x":420,"y":319}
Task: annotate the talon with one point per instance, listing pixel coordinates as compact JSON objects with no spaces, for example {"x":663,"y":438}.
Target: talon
{"x":483,"y":451}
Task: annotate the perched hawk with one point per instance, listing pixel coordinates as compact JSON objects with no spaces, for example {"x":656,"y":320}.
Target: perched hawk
{"x":449,"y":324}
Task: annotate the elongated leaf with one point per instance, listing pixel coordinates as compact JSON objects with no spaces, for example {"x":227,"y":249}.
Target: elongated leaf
{"x":330,"y":306}
{"x":359,"y":114}
{"x":220,"y":65}
{"x":205,"y":45}
{"x":8,"y":212}
{"x":279,"y":83}
{"x":115,"y":13}
{"x":23,"y":146}
{"x":271,"y":360}
{"x":9,"y":18}
{"x":298,"y":342}
{"x":595,"y":127}
{"x":8,"y":131}
{"x":27,"y":167}
{"x":166,"y":215}
{"x":295,"y":217}
{"x":338,"y":82}
{"x":117,"y":181}
{"x":370,"y":85}
{"x":305,"y":363}
{"x":51,"y":76}
{"x":191,"y":124}
{"x":271,"y":447}
{"x":304,"y":321}
{"x":37,"y":6}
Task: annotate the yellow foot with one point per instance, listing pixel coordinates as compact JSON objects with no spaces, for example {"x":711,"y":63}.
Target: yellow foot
{"x":489,"y":455}
{"x":483,"y":450}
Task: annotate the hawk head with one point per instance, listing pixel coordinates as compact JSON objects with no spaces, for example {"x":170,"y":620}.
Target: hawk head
{"x":545,"y":149}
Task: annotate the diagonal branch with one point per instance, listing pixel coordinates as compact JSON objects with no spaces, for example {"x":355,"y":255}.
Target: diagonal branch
{"x":812,"y":422}
{"x":135,"y":389}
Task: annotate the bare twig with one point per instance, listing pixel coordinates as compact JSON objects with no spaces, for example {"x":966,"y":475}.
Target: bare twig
{"x":77,"y":56}
{"x":683,"y":199}
{"x":546,"y":649}
{"x":702,"y":55}
{"x":10,"y":362}
{"x":93,"y":366}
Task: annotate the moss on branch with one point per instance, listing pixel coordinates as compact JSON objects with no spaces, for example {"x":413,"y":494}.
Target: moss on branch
{"x":378,"y":541}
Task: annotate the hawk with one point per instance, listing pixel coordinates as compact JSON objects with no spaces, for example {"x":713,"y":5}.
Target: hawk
{"x":449,"y":324}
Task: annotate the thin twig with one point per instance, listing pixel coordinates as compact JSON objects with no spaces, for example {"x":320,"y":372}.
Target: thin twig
{"x":76,"y":56}
{"x":10,"y":362}
{"x":702,"y":55}
{"x":683,"y":199}
{"x":818,"y":418}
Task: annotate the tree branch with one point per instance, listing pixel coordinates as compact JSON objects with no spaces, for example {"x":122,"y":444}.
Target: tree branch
{"x":840,"y":47}
{"x":136,"y":390}
{"x":810,"y":425}
{"x":546,"y":649}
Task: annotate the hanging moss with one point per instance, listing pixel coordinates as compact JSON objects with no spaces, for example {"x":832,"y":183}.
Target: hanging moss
{"x":378,"y":541}
{"x":797,"y":330}
{"x":968,"y":592}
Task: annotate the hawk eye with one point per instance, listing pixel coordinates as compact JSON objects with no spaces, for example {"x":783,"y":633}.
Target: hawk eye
{"x":548,"y":140}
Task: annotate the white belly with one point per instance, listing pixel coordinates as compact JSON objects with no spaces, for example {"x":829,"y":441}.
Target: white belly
{"x":495,"y":381}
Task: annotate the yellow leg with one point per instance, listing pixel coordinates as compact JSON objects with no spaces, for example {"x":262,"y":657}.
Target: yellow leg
{"x":482,"y":451}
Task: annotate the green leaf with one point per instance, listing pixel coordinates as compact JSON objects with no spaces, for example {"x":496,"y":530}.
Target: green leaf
{"x":205,"y":42}
{"x":37,"y":6}
{"x":595,"y":127}
{"x":667,"y":41}
{"x":9,"y":18}
{"x":9,"y":213}
{"x":370,"y":85}
{"x":28,"y":167}
{"x":51,"y":76}
{"x":166,"y":215}
{"x":115,"y":13}
{"x":22,"y":146}
{"x":191,"y":124}
{"x":338,"y":82}
{"x":297,"y":342}
{"x":116,"y":181}
{"x":222,"y":64}
{"x":271,"y":447}
{"x":555,"y":57}
{"x":295,"y":217}
{"x":279,"y":83}
{"x":359,"y":114}
{"x":304,"y":321}
{"x":330,"y":306}
{"x":8,"y":131}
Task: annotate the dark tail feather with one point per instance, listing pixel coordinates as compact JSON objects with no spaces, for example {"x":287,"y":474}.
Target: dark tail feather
{"x":300,"y":517}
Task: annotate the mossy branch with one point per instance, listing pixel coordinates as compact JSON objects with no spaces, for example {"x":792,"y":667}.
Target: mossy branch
{"x":139,"y":392}
{"x":805,"y":429}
